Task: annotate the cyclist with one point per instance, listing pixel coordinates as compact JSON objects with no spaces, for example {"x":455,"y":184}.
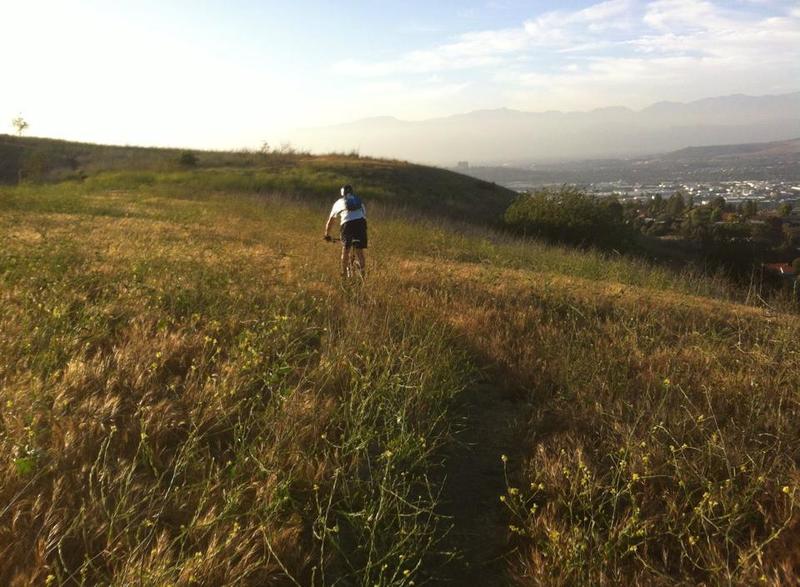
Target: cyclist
{"x":353,"y":226}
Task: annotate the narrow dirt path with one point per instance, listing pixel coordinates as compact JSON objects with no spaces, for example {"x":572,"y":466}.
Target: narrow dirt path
{"x":493,"y":425}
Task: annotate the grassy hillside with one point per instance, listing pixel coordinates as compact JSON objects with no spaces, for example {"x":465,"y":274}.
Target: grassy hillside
{"x":192,"y":396}
{"x":412,"y":188}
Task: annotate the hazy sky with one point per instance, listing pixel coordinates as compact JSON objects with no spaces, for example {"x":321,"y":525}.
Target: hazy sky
{"x":230,"y":74}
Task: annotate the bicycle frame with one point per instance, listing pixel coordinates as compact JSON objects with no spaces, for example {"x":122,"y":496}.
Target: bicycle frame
{"x":353,"y":266}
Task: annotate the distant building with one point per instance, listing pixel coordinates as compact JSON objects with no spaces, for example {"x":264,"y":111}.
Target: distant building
{"x":463,"y":165}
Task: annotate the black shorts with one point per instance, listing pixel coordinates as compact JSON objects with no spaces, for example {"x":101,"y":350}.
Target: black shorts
{"x":354,"y":233}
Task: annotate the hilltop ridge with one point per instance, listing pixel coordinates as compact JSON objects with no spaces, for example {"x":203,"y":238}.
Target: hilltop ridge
{"x":771,"y":149}
{"x":398,"y":184}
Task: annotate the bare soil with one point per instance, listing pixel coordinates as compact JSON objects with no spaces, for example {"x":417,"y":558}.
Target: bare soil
{"x":492,"y":426}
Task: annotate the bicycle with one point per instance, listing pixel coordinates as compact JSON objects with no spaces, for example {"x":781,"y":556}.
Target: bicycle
{"x":353,"y":268}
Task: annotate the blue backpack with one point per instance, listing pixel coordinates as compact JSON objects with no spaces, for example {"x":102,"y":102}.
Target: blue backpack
{"x":352,"y":202}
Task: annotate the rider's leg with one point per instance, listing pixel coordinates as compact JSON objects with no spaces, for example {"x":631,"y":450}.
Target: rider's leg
{"x":345,"y":260}
{"x":361,"y":262}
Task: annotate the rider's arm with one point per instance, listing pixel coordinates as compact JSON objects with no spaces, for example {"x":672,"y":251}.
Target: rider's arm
{"x":334,"y":212}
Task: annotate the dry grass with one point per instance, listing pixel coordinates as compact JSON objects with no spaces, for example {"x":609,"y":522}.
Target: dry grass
{"x":664,"y":429}
{"x":191,"y":396}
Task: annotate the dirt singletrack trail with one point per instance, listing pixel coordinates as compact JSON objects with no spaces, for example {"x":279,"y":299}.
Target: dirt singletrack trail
{"x":493,"y":425}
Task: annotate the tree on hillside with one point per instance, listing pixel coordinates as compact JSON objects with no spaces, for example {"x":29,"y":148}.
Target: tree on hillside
{"x":19,"y":124}
{"x":569,"y":215}
{"x":718,"y":203}
{"x":698,"y":225}
{"x":789,"y":238}
{"x":784,"y":210}
{"x":769,"y":232}
{"x":748,"y":209}
{"x":656,"y":205}
{"x":675,"y":205}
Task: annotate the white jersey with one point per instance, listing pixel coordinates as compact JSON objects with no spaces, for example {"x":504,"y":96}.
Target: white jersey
{"x":340,"y":209}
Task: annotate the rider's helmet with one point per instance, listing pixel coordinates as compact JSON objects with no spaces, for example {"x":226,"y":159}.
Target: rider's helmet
{"x":346,"y":189}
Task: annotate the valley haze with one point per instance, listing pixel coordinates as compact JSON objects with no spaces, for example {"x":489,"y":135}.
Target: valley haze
{"x":505,"y":136}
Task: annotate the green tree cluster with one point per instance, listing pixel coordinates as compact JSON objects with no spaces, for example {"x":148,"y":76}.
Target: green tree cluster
{"x":569,"y":215}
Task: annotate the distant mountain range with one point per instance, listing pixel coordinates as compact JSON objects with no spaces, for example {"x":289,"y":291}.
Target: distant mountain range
{"x":774,"y":161}
{"x":518,"y":138}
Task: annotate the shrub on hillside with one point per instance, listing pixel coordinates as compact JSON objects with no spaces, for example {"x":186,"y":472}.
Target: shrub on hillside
{"x":568,"y":215}
{"x":188,"y":159}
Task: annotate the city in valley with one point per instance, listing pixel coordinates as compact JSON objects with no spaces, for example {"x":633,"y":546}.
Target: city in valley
{"x":736,"y":207}
{"x":767,"y":194}
{"x":767,"y":173}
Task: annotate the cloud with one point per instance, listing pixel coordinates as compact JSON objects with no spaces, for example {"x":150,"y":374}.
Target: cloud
{"x":477,"y":49}
{"x":604,"y":10}
{"x":609,"y":14}
{"x":697,"y":27}
{"x":639,"y":80}
{"x":667,"y":15}
{"x":470,"y":50}
{"x":616,"y":52}
{"x":763,"y":42}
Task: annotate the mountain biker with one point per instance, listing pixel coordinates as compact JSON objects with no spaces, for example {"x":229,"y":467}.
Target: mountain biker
{"x":353,"y":226}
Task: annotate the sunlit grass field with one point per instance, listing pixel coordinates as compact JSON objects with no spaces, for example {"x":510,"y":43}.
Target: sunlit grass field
{"x":662,"y":433}
{"x":192,"y":396}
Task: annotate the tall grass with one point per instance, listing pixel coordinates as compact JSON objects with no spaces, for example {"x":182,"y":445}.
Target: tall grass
{"x":192,"y":396}
{"x":419,"y":237}
{"x":663,"y":438}
{"x":187,"y":402}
